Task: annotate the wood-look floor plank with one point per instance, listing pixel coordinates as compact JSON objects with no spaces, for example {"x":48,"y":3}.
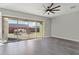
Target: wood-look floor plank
{"x":46,"y":46}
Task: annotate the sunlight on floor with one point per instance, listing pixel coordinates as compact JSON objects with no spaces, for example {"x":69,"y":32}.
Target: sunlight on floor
{"x":1,"y":44}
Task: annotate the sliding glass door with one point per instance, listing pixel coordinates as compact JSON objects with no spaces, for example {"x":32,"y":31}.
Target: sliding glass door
{"x":23,"y":29}
{"x":32,"y":29}
{"x":12,"y":28}
{"x":39,"y":29}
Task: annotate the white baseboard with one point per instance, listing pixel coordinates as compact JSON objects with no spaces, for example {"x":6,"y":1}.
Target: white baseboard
{"x":76,"y":40}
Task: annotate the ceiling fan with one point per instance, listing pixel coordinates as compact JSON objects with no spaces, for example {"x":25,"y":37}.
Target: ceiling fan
{"x":51,"y":9}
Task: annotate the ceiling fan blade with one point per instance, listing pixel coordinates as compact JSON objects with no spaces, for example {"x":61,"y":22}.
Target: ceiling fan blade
{"x":53,"y":12}
{"x":44,"y":6}
{"x":56,"y":7}
{"x":44,"y":12}
{"x":50,"y":5}
{"x":56,"y":10}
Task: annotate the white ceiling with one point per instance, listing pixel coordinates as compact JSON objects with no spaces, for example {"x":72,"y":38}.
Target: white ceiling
{"x":38,"y":9}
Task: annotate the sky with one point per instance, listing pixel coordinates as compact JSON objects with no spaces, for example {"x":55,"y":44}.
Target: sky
{"x":31,"y":24}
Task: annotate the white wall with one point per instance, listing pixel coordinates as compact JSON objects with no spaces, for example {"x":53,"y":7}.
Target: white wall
{"x":6,"y":12}
{"x":66,"y":26}
{"x":0,"y":26}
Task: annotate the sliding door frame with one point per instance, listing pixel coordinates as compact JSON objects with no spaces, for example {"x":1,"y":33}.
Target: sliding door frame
{"x":18,"y":19}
